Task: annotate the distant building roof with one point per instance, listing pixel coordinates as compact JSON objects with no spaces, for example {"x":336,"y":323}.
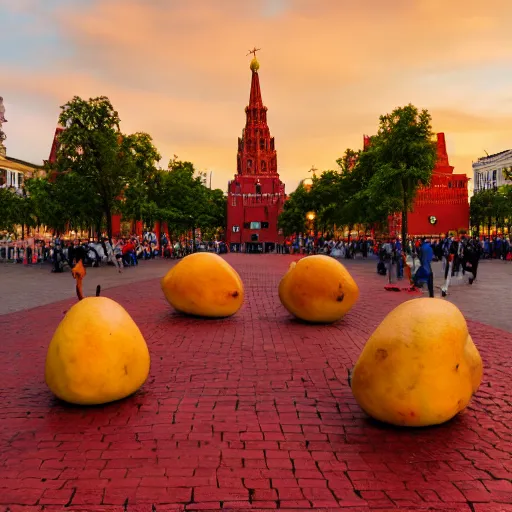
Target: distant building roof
{"x":483,"y":158}
{"x":23,"y":162}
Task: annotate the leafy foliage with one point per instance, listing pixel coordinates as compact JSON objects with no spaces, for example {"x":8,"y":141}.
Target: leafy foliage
{"x":99,"y":171}
{"x":491,"y":207}
{"x":371,"y":184}
{"x":93,"y":148}
{"x":404,"y":157}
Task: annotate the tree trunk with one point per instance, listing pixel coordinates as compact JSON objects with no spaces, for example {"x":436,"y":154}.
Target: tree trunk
{"x":98,"y":230}
{"x":108,"y":213}
{"x":404,"y":225}
{"x":23,"y":231}
{"x":404,"y":216}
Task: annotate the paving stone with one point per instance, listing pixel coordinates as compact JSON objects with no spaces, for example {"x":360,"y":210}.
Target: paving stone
{"x":249,"y":411}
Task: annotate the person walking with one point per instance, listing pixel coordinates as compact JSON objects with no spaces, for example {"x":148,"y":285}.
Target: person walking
{"x":472,"y":255}
{"x":425,"y":273}
{"x":109,"y":252}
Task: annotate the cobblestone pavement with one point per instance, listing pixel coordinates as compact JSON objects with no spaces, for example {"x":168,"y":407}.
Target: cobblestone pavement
{"x":28,"y":286}
{"x":253,"y":411}
{"x":487,"y":300}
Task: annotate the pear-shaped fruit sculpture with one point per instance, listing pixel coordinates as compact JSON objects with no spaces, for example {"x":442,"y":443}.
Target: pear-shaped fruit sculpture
{"x":318,"y":289}
{"x":97,"y":354}
{"x":420,"y":367}
{"x":204,"y":284}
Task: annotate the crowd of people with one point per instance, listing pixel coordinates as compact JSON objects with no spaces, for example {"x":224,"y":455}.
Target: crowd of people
{"x":460,"y":257}
{"x":63,"y":253}
{"x":331,"y":246}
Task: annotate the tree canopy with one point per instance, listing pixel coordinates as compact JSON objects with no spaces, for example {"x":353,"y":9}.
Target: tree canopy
{"x":100,"y":171}
{"x":491,"y":207}
{"x":371,"y":184}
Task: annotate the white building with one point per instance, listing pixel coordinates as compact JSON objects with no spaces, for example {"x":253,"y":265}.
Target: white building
{"x":493,"y":171}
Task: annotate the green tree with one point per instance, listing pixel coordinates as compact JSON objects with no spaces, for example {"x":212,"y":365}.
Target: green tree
{"x":181,"y":198}
{"x":93,"y":148}
{"x":506,"y":192}
{"x":139,"y":195}
{"x":404,"y":156}
{"x":293,"y":217}
{"x":9,"y":212}
{"x":483,"y":209}
{"x":64,"y":201}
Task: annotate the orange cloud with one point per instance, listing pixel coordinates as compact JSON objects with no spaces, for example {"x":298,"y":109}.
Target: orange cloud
{"x":328,"y":70}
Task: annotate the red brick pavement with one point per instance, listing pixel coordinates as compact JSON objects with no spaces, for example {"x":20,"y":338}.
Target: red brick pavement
{"x":253,"y":411}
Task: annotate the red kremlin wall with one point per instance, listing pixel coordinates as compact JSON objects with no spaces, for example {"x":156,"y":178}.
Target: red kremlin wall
{"x":441,"y":207}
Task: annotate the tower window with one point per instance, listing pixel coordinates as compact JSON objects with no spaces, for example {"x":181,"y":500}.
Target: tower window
{"x":262,"y":144}
{"x":249,"y":164}
{"x":263,"y":166}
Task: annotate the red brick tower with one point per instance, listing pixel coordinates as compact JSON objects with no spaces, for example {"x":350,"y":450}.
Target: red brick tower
{"x":256,"y":194}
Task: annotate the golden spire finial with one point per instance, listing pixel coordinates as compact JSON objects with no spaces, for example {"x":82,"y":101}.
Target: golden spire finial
{"x":255,"y":65}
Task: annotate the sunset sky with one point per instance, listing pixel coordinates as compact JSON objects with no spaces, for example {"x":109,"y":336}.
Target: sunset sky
{"x":178,"y":70}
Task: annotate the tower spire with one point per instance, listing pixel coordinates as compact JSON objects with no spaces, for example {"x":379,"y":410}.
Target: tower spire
{"x":256,"y":152}
{"x":255,"y":100}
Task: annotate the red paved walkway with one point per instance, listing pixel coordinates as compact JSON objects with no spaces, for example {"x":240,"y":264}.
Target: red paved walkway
{"x":252,"y":411}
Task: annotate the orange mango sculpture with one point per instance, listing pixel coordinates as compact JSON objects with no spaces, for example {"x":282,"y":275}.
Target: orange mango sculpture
{"x":97,"y":354}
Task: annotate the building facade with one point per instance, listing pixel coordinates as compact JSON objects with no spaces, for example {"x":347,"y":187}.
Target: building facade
{"x":443,"y":206}
{"x":492,"y":171}
{"x":13,"y":172}
{"x":256,"y":194}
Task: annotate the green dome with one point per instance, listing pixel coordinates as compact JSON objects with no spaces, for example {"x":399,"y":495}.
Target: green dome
{"x":255,"y":65}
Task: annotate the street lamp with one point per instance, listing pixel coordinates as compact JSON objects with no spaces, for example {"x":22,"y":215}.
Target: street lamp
{"x":307,"y":183}
{"x":311,"y":218}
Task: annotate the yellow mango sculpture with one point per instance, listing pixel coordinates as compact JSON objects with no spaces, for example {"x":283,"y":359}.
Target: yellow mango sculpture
{"x":204,"y":284}
{"x":420,"y":367}
{"x":97,"y":354}
{"x":318,"y":289}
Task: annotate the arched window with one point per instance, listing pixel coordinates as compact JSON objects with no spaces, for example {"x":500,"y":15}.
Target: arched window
{"x":263,"y":166}
{"x":262,"y":144}
{"x":249,"y":164}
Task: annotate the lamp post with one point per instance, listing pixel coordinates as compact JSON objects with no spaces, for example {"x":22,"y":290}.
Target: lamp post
{"x":311,"y":218}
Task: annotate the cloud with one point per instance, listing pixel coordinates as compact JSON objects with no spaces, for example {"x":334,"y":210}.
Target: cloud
{"x":328,"y":70}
